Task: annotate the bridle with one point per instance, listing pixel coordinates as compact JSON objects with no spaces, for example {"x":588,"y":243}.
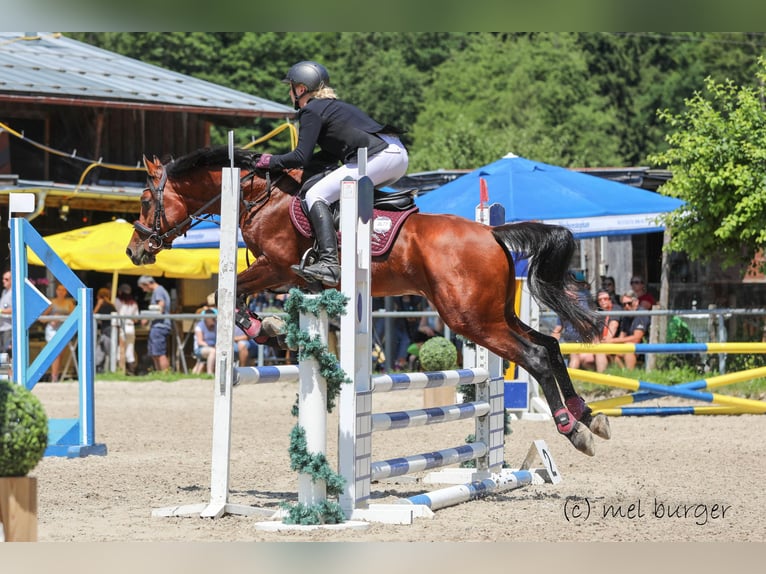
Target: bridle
{"x":156,"y":240}
{"x":153,"y":237}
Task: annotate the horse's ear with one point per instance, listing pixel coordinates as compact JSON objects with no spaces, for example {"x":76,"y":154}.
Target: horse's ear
{"x":152,"y":167}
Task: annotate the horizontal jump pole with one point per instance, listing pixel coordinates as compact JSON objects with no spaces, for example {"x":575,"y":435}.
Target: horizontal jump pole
{"x":674,"y":348}
{"x":674,"y":391}
{"x":433,"y":415}
{"x":452,"y":495}
{"x":665,"y":411}
{"x":707,"y":384}
{"x":428,"y":380}
{"x":274,"y":374}
{"x":426,"y":461}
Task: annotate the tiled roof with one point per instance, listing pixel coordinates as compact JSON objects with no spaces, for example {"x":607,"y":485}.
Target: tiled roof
{"x":60,"y":69}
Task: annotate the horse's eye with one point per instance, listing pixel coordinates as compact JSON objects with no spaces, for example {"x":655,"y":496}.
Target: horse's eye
{"x":146,"y":204}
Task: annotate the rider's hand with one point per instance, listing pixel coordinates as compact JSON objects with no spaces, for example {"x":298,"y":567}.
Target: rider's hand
{"x":263,"y":161}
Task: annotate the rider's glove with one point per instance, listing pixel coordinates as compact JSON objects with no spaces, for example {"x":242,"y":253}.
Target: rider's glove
{"x":263,"y":161}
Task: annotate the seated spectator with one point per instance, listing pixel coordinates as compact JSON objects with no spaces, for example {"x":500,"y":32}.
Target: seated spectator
{"x":634,"y":333}
{"x":645,"y":299}
{"x":204,"y":339}
{"x":245,"y":347}
{"x":609,"y":285}
{"x":610,"y":328}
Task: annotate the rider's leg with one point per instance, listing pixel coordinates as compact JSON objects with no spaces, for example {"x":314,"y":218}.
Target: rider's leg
{"x":326,"y":269}
{"x":384,"y":167}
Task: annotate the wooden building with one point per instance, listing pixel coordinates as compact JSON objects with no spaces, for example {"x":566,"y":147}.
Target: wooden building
{"x":66,"y":105}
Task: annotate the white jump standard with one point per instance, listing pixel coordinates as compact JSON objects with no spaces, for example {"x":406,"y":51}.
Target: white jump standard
{"x":358,"y":422}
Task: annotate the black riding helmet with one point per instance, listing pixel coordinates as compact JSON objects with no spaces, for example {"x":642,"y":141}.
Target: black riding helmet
{"x":310,"y":74}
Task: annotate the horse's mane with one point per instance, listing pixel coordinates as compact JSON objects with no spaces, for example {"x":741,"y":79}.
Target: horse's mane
{"x":211,"y":157}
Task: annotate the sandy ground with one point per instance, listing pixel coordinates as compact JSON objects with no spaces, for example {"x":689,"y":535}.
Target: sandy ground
{"x":680,"y":478}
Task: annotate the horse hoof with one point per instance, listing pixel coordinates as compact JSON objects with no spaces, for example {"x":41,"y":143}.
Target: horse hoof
{"x":600,"y":426}
{"x":273,"y":326}
{"x":582,"y":439}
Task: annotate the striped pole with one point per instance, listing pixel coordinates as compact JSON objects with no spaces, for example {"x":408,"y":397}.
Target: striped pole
{"x":464,"y":492}
{"x":631,"y":385}
{"x":665,"y":411}
{"x":674,"y":348}
{"x":429,"y":380}
{"x":271,"y":374}
{"x":707,"y":384}
{"x":426,"y":461}
{"x":432,"y":415}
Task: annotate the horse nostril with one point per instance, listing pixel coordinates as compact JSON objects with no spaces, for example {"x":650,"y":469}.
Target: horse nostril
{"x":129,"y":252}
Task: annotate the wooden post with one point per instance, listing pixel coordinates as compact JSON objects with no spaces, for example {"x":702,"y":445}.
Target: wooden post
{"x":18,"y":508}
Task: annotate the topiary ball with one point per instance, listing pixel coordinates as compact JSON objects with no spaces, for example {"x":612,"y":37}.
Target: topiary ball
{"x":438,"y":354}
{"x":23,"y":430}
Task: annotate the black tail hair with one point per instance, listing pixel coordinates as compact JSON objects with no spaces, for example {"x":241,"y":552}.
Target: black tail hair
{"x":549,"y":249}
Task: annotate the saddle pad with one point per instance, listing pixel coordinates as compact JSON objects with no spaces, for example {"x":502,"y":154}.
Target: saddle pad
{"x":385,"y":226}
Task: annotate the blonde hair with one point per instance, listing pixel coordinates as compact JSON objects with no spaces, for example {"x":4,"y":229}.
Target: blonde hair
{"x":325,"y":93}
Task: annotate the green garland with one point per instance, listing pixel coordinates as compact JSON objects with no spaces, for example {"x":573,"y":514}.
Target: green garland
{"x":334,"y":303}
{"x":301,"y":460}
{"x":315,"y":465}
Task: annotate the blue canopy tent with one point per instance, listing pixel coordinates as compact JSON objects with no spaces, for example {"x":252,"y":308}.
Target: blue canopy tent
{"x":588,"y":205}
{"x":205,"y":234}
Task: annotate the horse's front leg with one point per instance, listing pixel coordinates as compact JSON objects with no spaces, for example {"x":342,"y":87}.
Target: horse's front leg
{"x":263,"y":275}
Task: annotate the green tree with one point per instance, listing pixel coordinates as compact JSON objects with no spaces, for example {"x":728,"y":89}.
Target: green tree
{"x":528,"y":94}
{"x":717,"y":153}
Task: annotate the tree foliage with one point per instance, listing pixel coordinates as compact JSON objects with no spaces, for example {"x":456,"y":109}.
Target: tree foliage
{"x":717,"y":154}
{"x":466,"y":99}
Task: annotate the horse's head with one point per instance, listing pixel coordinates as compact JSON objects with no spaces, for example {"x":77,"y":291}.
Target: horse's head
{"x":164,"y":216}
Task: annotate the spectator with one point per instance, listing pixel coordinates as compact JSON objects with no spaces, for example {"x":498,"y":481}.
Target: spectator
{"x":608,"y":284}
{"x":635,"y":333}
{"x":431,"y":326}
{"x":103,"y":306}
{"x":160,"y":328}
{"x":245,"y":347}
{"x":126,"y":305}
{"x":566,"y":333}
{"x":61,"y":304}
{"x":406,"y":329}
{"x":6,"y":308}
{"x":205,"y":334}
{"x":645,"y":299}
{"x":610,"y":328}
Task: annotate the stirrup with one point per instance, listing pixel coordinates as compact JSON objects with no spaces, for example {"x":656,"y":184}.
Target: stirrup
{"x":321,"y":272}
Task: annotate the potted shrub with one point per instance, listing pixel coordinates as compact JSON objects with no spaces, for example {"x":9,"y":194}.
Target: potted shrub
{"x":438,"y":354}
{"x":23,"y":439}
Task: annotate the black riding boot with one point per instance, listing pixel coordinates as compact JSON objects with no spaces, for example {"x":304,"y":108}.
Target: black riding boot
{"x":327,"y":269}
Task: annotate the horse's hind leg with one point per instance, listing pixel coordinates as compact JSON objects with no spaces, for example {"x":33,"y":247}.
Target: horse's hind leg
{"x":599,"y":423}
{"x":529,"y":349}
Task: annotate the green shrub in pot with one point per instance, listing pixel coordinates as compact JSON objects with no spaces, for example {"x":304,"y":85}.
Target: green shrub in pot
{"x":23,"y":430}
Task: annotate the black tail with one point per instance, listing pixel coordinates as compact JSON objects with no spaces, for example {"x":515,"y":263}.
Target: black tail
{"x":550,"y":249}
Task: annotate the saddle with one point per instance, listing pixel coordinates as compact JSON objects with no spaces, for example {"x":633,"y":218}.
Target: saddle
{"x":390,"y":210}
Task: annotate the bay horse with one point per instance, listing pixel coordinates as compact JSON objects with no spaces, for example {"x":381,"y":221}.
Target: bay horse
{"x":464,"y":268}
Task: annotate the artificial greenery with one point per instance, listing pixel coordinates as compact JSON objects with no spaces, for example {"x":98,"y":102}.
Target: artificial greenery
{"x":315,"y":465}
{"x":333,"y":302}
{"x":23,"y":430}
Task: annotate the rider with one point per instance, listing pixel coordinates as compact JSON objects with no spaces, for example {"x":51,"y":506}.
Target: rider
{"x":339,"y":129}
